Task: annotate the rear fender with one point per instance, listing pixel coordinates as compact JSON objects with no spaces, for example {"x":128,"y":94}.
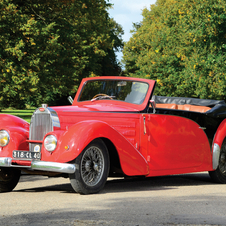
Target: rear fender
{"x":81,"y":134}
{"x":217,"y":143}
{"x":220,"y":134}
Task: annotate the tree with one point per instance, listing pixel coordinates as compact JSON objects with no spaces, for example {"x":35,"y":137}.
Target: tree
{"x":47,"y":47}
{"x":181,"y":44}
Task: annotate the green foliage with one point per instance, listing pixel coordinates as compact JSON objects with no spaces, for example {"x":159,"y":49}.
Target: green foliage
{"x":24,"y":114}
{"x":47,"y":47}
{"x":182,"y":45}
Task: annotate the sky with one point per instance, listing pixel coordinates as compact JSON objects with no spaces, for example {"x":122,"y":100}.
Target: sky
{"x":127,"y":12}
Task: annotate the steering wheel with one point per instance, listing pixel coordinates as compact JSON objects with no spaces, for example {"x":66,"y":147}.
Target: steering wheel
{"x":102,"y":94}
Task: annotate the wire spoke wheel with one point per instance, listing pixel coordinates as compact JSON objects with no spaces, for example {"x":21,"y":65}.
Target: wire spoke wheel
{"x":222,"y":160}
{"x":9,"y":178}
{"x":219,"y":175}
{"x":93,"y":168}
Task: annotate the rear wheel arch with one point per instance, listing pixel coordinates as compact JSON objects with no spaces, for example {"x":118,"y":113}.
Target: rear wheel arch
{"x":220,"y":134}
{"x":219,"y":175}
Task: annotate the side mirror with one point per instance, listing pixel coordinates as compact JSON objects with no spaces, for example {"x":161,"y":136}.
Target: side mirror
{"x":70,"y":99}
{"x":152,"y":103}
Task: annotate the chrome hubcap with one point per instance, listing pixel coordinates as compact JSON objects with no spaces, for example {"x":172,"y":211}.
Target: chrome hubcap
{"x":92,"y":166}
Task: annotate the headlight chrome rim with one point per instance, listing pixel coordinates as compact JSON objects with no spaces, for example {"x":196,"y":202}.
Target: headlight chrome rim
{"x":4,"y":138}
{"x":50,"y":143}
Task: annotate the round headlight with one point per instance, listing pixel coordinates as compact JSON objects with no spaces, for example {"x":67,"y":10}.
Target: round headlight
{"x":4,"y":138}
{"x":50,"y":143}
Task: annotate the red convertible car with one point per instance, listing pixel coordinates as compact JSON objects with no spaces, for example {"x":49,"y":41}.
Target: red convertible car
{"x":114,"y":127}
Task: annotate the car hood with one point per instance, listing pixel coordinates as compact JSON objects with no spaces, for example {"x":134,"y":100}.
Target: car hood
{"x":96,"y":107}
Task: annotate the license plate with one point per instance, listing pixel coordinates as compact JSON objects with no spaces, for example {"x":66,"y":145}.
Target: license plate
{"x":26,"y":155}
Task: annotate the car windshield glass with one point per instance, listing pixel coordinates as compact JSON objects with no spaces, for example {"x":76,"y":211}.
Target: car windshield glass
{"x":128,"y":91}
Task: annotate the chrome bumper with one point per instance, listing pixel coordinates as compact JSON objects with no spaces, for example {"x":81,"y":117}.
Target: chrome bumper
{"x":41,"y":165}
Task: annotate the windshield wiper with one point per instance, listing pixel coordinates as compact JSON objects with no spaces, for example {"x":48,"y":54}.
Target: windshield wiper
{"x":102,"y":98}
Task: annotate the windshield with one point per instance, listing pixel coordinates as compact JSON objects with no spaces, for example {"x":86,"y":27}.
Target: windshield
{"x":128,"y":91}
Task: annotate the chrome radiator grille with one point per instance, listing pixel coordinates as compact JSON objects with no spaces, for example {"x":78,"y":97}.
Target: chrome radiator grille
{"x":40,"y":125}
{"x":42,"y":121}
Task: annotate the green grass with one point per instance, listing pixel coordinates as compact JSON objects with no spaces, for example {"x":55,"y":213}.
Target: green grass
{"x":24,"y":114}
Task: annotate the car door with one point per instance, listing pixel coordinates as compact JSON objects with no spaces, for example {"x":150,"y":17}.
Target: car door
{"x":175,"y":142}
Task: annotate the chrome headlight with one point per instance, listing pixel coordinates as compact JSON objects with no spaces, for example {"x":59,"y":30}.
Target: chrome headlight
{"x":4,"y":138}
{"x":50,"y":143}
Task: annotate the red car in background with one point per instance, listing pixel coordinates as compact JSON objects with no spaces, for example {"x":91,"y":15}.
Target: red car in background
{"x":114,"y":127}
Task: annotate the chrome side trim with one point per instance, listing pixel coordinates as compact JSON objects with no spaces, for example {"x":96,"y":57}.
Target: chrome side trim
{"x":53,"y":166}
{"x":5,"y":161}
{"x":41,"y":165}
{"x":216,"y":155}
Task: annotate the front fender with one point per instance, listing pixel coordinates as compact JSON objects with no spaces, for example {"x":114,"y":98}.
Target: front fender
{"x":81,"y":134}
{"x":12,"y":121}
{"x":18,"y":130}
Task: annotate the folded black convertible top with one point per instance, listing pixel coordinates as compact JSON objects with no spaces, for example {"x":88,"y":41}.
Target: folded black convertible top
{"x":185,"y":100}
{"x":218,"y":107}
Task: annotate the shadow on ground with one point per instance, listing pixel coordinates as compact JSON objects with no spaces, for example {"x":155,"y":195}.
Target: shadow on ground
{"x":129,"y":184}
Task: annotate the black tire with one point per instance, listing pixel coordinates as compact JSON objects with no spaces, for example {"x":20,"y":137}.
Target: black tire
{"x":219,"y":175}
{"x":93,"y":168}
{"x":9,"y":178}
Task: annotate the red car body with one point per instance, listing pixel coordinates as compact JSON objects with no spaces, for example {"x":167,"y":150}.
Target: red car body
{"x":152,"y":138}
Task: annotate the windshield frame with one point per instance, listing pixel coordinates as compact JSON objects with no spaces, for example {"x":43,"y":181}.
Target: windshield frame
{"x":128,"y":93}
{"x":150,"y":89}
